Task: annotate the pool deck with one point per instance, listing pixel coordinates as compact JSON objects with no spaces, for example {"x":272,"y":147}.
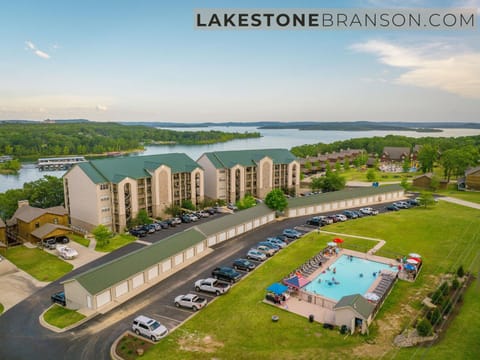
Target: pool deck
{"x":321,"y":314}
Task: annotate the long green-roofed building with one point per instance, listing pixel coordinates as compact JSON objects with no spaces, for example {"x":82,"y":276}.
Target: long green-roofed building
{"x":112,"y":191}
{"x":230,"y":175}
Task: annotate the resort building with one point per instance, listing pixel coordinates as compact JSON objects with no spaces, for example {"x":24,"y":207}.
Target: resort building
{"x":112,"y":191}
{"x":314,"y":164}
{"x":2,"y":231}
{"x":471,"y":180}
{"x":32,"y":224}
{"x":230,"y":175}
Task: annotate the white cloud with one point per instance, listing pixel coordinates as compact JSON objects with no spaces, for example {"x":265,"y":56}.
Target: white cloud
{"x":42,"y":54}
{"x":102,"y":107}
{"x":31,"y":47}
{"x":430,"y":66}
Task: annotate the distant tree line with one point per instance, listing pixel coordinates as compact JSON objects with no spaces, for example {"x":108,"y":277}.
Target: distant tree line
{"x":97,"y":138}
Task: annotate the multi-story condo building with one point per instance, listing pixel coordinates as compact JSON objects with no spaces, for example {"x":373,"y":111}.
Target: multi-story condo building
{"x":230,"y":175}
{"x":112,"y":191}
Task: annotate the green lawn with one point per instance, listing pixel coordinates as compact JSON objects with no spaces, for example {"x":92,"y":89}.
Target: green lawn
{"x":79,"y":239}
{"x":238,"y":325}
{"x":116,"y":242}
{"x":1,"y":308}
{"x":361,"y":175}
{"x":61,"y":317}
{"x":38,"y":263}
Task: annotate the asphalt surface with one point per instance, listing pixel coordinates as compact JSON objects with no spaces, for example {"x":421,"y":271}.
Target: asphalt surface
{"x":22,"y":337}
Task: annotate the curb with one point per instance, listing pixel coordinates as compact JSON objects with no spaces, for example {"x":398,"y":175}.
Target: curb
{"x":60,"y":330}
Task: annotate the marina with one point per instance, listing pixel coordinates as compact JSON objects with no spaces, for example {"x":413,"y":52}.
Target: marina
{"x":59,"y":163}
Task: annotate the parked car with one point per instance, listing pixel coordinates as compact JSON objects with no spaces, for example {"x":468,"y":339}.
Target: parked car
{"x":66,"y":252}
{"x":232,"y":207}
{"x":62,"y":240}
{"x":325,"y":220}
{"x":164,"y":224}
{"x":392,"y":207}
{"x":59,"y":298}
{"x":157,"y":226}
{"x":292,"y":233}
{"x":315,"y":221}
{"x":226,"y":273}
{"x":254,"y":254}
{"x":277,"y":242}
{"x":212,"y":285}
{"x":49,"y":243}
{"x":138,"y":232}
{"x":270,"y":245}
{"x":149,"y":228}
{"x":333,"y":218}
{"x":401,"y":205}
{"x":243,"y":264}
{"x":204,"y":214}
{"x":350,"y":214}
{"x":341,"y":217}
{"x":283,"y":238}
{"x":150,"y":328}
{"x":368,"y":211}
{"x":190,"y":301}
{"x":212,"y":211}
{"x":185,"y":218}
{"x":193,"y":217}
{"x":266,"y":250}
{"x":413,"y":202}
{"x":358,"y":213}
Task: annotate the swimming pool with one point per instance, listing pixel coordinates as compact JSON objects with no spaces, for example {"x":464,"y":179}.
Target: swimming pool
{"x":353,"y":276}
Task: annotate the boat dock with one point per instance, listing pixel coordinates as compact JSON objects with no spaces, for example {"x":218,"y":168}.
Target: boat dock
{"x":59,"y":163}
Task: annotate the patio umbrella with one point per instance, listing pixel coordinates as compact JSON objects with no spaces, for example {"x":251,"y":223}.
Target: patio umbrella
{"x":331,"y":243}
{"x":409,"y":267}
{"x":415,"y":255}
{"x":416,"y":259}
{"x":371,"y":296}
{"x":277,"y":288}
{"x":412,"y":261}
{"x":338,"y":240}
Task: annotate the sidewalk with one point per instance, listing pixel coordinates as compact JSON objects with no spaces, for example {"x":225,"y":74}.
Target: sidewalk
{"x":460,"y":202}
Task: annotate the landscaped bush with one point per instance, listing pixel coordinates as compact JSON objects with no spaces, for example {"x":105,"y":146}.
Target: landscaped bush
{"x":437,"y":297}
{"x":446,"y":306}
{"x":424,"y":328}
{"x":460,"y":271}
{"x":455,"y":284}
{"x":444,"y":288}
{"x":434,"y":315}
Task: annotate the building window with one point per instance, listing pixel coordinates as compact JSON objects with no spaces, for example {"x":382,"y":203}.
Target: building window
{"x":55,"y":221}
{"x":103,"y":186}
{"x":37,"y":225}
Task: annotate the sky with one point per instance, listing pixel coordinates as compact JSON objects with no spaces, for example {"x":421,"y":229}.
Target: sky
{"x":143,"y":60}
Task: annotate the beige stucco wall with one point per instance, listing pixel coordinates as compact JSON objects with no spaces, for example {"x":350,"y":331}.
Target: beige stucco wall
{"x":264,"y":177}
{"x":201,"y":192}
{"x":83,"y":202}
{"x":75,"y":294}
{"x":211,"y":178}
{"x":161,"y":189}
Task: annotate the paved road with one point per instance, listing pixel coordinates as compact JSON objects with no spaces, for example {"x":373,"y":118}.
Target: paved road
{"x":22,"y":337}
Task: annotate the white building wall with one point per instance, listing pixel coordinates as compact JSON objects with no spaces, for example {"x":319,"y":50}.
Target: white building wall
{"x":211,"y":183}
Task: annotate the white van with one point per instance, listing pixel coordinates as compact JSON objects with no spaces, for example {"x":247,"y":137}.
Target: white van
{"x":143,"y":325}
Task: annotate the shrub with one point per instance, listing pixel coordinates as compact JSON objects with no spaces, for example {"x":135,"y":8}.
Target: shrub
{"x":446,"y":306}
{"x":434,"y":315}
{"x":424,"y":328}
{"x":460,"y":271}
{"x":455,"y":284}
{"x":444,"y":288}
{"x":437,"y":296}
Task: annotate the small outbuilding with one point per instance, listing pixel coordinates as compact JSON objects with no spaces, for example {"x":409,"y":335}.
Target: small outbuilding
{"x":354,"y":311}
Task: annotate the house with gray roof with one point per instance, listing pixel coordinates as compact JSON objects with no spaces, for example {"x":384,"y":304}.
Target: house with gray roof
{"x":354,"y":311}
{"x":230,"y":175}
{"x":112,"y":191}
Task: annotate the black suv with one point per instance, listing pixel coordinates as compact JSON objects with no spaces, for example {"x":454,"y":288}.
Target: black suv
{"x":62,"y":239}
{"x":226,"y":273}
{"x":59,"y":298}
{"x":138,"y":232}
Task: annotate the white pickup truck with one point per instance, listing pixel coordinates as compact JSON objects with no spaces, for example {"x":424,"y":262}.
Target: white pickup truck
{"x":212,"y":285}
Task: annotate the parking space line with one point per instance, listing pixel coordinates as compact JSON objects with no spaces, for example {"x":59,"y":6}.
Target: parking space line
{"x":168,"y":318}
{"x":179,"y":308}
{"x":203,"y":294}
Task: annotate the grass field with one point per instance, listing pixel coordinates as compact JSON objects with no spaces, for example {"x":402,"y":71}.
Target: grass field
{"x":1,"y":308}
{"x":79,"y":239}
{"x":238,"y":326}
{"x":61,"y":317}
{"x":116,"y":242}
{"x":38,"y":263}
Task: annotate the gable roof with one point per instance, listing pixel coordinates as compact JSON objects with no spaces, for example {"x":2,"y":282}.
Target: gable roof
{"x":427,"y":175}
{"x":2,"y":224}
{"x":46,"y":229}
{"x":396,"y":153}
{"x":472,"y":170}
{"x":228,"y":159}
{"x":28,"y":213}
{"x":357,"y":303}
{"x":106,"y":275}
{"x":115,"y":170}
{"x":240,"y":217}
{"x":340,"y":195}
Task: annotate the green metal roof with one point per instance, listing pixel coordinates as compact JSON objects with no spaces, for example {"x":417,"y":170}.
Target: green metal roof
{"x":226,"y":222}
{"x":104,"y":276}
{"x":91,"y":172}
{"x":228,"y":159}
{"x":358,"y":303}
{"x":340,"y":195}
{"x":116,"y":169}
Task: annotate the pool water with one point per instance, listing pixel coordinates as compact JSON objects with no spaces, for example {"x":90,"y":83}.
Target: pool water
{"x":347,"y":279}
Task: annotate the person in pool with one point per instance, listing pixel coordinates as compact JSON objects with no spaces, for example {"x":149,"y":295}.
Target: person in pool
{"x":361,"y":274}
